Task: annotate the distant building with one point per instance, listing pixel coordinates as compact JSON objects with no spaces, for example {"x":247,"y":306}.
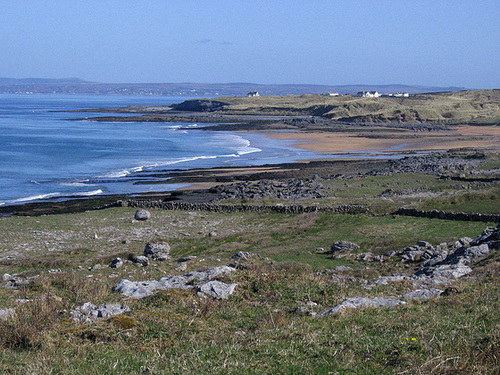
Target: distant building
{"x":331,"y":94}
{"x":368,"y":94}
{"x":253,"y":93}
{"x":402,"y":94}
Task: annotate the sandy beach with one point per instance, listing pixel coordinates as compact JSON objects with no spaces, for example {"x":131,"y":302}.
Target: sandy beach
{"x":389,"y":141}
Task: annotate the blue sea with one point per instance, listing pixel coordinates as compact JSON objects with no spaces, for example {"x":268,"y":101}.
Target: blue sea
{"x":45,"y":155}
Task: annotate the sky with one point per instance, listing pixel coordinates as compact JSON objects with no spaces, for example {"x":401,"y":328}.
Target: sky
{"x":331,"y":42}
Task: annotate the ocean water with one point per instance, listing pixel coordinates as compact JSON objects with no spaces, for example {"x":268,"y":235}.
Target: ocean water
{"x":45,"y":155}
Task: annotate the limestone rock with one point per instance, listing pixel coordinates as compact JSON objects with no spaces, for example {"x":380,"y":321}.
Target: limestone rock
{"x":139,"y":259}
{"x":339,"y":246}
{"x":217,"y":289}
{"x":142,"y":215}
{"x":141,"y":289}
{"x":423,"y":294}
{"x":357,"y":302}
{"x":243,"y":255}
{"x":6,"y":314}
{"x":89,"y":313}
{"x":158,"y":250}
{"x":116,"y":263}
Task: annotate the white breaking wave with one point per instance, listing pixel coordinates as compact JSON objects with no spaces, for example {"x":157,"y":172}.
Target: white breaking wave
{"x":231,"y":141}
{"x":88,"y":193}
{"x":38,"y":197}
{"x":80,"y":183}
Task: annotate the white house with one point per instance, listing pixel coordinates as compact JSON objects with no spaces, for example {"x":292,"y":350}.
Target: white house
{"x":253,"y":93}
{"x":368,"y":94}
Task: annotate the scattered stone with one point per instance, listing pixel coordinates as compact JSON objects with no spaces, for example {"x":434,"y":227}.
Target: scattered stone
{"x":6,"y":277}
{"x":357,"y":302}
{"x":182,"y":266}
{"x":365,"y":257}
{"x":96,"y":267}
{"x":158,"y":250}
{"x":116,"y":263}
{"x":450,"y":291}
{"x":89,"y":313}
{"x":446,"y":270}
{"x":304,"y":310}
{"x":139,"y":259}
{"x":423,"y":294}
{"x":340,"y":246}
{"x":217,"y":289}
{"x":243,"y":255}
{"x":212,"y":234}
{"x":343,"y":268}
{"x":142,"y":215}
{"x":6,"y":314}
{"x":287,"y":189}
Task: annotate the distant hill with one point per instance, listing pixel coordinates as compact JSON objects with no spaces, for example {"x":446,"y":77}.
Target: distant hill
{"x":39,"y":81}
{"x":79,"y":86}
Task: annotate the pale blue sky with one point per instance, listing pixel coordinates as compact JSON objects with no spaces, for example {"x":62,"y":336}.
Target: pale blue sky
{"x":333,"y":42}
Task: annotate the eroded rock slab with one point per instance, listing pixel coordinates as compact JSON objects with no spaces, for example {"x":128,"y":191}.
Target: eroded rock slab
{"x":217,"y":289}
{"x":90,"y":313}
{"x":423,"y":294}
{"x":357,"y":302}
{"x":141,"y":289}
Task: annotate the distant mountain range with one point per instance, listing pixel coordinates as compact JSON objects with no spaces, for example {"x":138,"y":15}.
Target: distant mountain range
{"x":78,"y":86}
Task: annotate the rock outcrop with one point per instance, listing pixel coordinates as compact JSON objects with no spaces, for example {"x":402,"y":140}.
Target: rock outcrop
{"x":90,"y":313}
{"x":289,"y":189}
{"x":357,"y":302}
{"x":157,"y":250}
{"x":191,"y":280}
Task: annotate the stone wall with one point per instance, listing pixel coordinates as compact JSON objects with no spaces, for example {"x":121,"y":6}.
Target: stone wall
{"x":210,"y":207}
{"x":435,"y":214}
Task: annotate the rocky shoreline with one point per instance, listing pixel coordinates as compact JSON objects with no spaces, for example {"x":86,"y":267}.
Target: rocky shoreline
{"x":292,"y":182}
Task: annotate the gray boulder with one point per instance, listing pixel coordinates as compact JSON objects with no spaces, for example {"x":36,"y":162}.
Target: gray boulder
{"x":157,"y":250}
{"x":217,"y":289}
{"x":142,"y":215}
{"x":357,"y":302}
{"x":339,"y":246}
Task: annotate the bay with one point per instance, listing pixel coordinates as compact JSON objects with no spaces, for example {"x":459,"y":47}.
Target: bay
{"x":46,"y":154}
